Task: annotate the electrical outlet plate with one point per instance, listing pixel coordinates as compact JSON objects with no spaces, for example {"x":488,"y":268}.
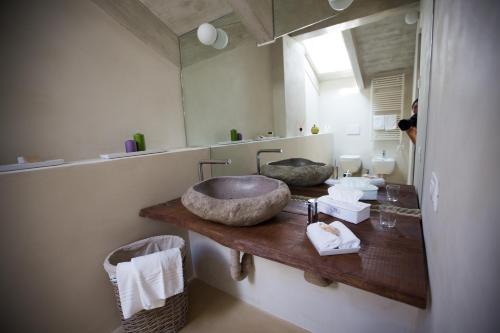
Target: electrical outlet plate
{"x":353,"y":129}
{"x":434,"y":191}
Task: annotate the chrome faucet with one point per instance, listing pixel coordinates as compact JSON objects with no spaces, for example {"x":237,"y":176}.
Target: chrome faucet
{"x":274,"y":150}
{"x":203,"y":162}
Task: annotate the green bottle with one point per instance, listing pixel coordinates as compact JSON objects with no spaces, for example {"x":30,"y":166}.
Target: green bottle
{"x":234,"y":135}
{"x":141,"y":143}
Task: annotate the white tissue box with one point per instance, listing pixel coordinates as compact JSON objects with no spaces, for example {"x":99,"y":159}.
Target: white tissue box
{"x":353,"y":212}
{"x":370,"y":192}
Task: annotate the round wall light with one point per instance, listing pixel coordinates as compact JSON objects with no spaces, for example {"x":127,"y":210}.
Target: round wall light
{"x":411,"y":17}
{"x":339,"y":5}
{"x":211,"y":36}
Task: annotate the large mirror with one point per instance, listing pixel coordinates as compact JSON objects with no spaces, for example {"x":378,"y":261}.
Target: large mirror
{"x":88,"y":91}
{"x":226,"y":89}
{"x":359,"y":83}
{"x":354,"y":79}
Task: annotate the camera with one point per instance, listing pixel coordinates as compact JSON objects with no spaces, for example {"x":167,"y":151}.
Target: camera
{"x":406,"y":124}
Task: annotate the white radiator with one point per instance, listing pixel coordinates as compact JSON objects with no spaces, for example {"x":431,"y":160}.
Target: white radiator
{"x":387,"y":96}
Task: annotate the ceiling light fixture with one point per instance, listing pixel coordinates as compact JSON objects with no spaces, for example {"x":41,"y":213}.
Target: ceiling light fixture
{"x":339,"y":5}
{"x":211,"y":36}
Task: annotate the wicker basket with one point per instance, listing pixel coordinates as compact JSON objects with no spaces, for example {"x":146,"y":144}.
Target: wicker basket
{"x":169,"y":318}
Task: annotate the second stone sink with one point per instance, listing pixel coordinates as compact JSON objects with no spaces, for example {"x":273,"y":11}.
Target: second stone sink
{"x":237,"y":200}
{"x":298,"y":171}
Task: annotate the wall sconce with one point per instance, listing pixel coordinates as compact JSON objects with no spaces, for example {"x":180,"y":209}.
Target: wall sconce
{"x":340,"y":5}
{"x":211,"y":36}
{"x":411,"y":17}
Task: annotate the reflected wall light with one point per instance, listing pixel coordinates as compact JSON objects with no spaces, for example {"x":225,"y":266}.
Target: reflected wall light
{"x":211,"y":36}
{"x":339,"y":5}
{"x":411,"y":17}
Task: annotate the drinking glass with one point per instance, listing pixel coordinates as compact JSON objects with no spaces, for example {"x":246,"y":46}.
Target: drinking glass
{"x":387,"y":216}
{"x":392,"y":192}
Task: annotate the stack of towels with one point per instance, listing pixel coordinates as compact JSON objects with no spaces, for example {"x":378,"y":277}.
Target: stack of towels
{"x":145,"y":282}
{"x":385,"y":123}
{"x":333,"y":238}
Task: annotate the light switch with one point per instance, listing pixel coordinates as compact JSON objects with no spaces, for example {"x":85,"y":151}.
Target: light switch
{"x":434,"y":191}
{"x":353,"y":129}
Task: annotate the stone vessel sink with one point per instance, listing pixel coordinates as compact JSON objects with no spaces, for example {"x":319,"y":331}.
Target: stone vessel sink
{"x":237,"y":200}
{"x":298,"y":171}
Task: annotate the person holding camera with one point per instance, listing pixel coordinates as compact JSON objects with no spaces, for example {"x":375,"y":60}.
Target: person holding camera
{"x":410,"y":125}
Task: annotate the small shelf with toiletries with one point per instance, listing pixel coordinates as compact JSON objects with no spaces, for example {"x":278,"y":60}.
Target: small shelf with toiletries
{"x":390,"y":263}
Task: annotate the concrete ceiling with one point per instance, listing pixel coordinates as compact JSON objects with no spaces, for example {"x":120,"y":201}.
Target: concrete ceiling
{"x":385,"y":46}
{"x":182,"y":16}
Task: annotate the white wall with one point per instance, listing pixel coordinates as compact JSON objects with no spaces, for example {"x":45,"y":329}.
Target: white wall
{"x":301,"y":90}
{"x":282,"y":291}
{"x":231,"y":90}
{"x":312,"y":92}
{"x":59,"y":223}
{"x":463,"y":150}
{"x":294,"y":76}
{"x":75,"y":83}
{"x":278,"y":78}
{"x":342,"y":105}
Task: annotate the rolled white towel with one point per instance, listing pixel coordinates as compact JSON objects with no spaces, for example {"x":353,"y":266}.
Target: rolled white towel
{"x":321,"y":238}
{"x":348,"y":240}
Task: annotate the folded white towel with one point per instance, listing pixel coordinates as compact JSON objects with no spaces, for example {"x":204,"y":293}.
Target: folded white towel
{"x":146,"y":281}
{"x":348,"y":239}
{"x":377,"y":181}
{"x":378,"y":122}
{"x":321,"y":238}
{"x":327,"y":237}
{"x":390,"y":122}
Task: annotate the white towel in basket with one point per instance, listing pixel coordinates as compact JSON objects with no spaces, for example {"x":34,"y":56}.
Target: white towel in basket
{"x":146,"y":281}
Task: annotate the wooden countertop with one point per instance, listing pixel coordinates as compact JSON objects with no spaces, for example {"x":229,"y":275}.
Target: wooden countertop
{"x":391,"y":262}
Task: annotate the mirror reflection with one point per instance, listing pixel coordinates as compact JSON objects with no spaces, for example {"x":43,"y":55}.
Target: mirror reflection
{"x":355,"y":80}
{"x":226,"y":91}
{"x":359,"y":84}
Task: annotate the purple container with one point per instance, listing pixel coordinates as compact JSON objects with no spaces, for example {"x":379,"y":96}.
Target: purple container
{"x":239,"y":137}
{"x":130,"y":146}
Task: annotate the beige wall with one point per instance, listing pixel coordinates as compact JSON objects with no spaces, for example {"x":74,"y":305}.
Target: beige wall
{"x":59,"y":223}
{"x":75,"y":83}
{"x":463,"y":151}
{"x":231,"y":90}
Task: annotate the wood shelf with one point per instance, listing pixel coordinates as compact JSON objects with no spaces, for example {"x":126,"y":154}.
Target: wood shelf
{"x":391,"y":262}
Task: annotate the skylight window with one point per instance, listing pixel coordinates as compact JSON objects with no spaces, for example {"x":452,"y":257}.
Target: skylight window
{"x":328,"y":55}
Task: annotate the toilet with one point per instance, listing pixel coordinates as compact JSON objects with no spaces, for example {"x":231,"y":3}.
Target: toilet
{"x":350,"y":162}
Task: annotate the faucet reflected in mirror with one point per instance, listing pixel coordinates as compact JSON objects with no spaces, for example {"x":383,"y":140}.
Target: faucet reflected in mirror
{"x":273,"y":150}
